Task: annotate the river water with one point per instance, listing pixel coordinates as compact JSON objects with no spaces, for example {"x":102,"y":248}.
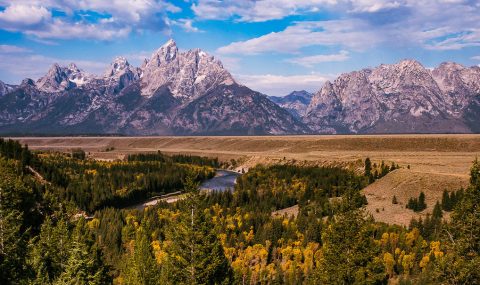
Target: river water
{"x":223,"y":180}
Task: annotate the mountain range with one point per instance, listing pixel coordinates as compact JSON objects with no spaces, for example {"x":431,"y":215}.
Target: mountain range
{"x":191,"y":93}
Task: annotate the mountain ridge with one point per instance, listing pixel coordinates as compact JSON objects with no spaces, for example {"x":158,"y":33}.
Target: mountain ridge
{"x":191,"y":93}
{"x":172,"y":93}
{"x":398,"y":98}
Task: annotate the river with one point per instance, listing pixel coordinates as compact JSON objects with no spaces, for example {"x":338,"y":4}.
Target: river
{"x":222,"y":181}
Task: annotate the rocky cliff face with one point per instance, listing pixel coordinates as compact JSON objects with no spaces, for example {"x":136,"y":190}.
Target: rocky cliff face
{"x":5,"y":88}
{"x":190,"y":92}
{"x":296,"y":102}
{"x":398,"y":98}
{"x":188,"y":74}
{"x":172,"y":93}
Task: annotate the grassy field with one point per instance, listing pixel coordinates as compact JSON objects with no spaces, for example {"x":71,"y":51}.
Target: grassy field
{"x":437,"y":162}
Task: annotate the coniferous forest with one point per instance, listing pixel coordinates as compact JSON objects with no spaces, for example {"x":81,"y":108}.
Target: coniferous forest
{"x":66,"y":219}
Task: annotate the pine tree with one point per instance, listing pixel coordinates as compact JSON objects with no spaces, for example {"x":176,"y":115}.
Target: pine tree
{"x":446,"y":202}
{"x":17,"y":215}
{"x":437,"y":211}
{"x":475,"y":173}
{"x":461,"y":265}
{"x":368,"y":167}
{"x":12,"y":247}
{"x":195,"y":255}
{"x":348,"y":251}
{"x":84,"y":265}
{"x":50,"y":251}
{"x":394,"y":200}
{"x":141,"y":268}
{"x":421,"y":202}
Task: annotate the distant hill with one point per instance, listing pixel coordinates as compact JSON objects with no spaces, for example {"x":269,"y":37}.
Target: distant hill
{"x":296,"y":102}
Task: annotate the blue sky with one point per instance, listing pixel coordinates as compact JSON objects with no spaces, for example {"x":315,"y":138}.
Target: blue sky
{"x":273,"y":46}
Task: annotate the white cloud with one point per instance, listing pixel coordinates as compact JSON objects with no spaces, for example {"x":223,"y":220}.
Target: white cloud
{"x":280,"y":85}
{"x":259,"y":11}
{"x":12,"y":49}
{"x":476,"y":57}
{"x":442,"y":24}
{"x":256,"y":11}
{"x":16,"y":17}
{"x":353,"y":34}
{"x":310,"y":61}
{"x":232,"y":64}
{"x":81,"y":19}
{"x":402,"y":23}
{"x":373,"y":6}
{"x":186,"y":25}
{"x":58,"y":29}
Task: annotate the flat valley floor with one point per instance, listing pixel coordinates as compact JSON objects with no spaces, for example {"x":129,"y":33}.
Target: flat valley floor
{"x":437,"y":162}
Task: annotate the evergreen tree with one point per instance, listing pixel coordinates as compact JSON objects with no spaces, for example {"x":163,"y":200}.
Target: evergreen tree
{"x":18,"y":214}
{"x":348,"y":252}
{"x":195,"y":255}
{"x":446,"y":201}
{"x":12,"y":247}
{"x":84,"y":265}
{"x":141,"y":268}
{"x":461,"y":265}
{"x":421,"y":202}
{"x":394,"y":200}
{"x":50,"y":251}
{"x":368,"y":167}
{"x":475,"y":173}
{"x":437,"y":211}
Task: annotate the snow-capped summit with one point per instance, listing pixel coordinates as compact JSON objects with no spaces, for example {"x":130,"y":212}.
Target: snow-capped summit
{"x":5,"y":88}
{"x":165,"y":53}
{"x":55,"y":80}
{"x":73,"y":67}
{"x":60,"y":78}
{"x":119,"y":64}
{"x":120,"y":74}
{"x":187,"y":74}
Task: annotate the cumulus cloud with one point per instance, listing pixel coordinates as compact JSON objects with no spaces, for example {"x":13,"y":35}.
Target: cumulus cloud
{"x":186,"y":25}
{"x":265,"y":10}
{"x":310,"y":61}
{"x":373,"y":6}
{"x":23,"y":16}
{"x":87,"y":19}
{"x":368,"y":23}
{"x":353,"y":34}
{"x":280,"y":85}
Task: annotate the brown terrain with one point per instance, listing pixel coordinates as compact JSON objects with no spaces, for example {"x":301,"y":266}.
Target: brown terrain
{"x":437,"y":162}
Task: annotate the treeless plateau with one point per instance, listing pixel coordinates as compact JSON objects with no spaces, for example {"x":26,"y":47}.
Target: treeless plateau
{"x":437,"y":162}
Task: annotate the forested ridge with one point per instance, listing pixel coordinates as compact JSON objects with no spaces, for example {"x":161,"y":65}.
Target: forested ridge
{"x":228,"y":237}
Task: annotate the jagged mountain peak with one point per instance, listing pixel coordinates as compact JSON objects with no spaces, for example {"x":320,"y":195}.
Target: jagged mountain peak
{"x":188,"y":74}
{"x":55,"y":80}
{"x":73,"y":67}
{"x":118,"y":65}
{"x":409,"y":63}
{"x":400,"y":97}
{"x":27,"y":81}
{"x":166,"y":53}
{"x":5,"y":88}
{"x":449,"y":67}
